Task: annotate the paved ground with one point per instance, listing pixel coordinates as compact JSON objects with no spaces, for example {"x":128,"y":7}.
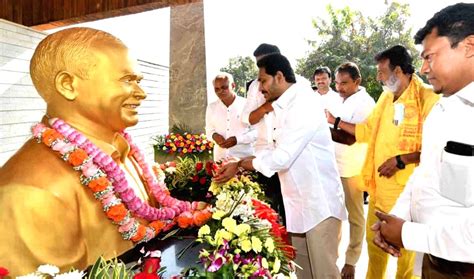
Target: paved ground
{"x":361,"y":267}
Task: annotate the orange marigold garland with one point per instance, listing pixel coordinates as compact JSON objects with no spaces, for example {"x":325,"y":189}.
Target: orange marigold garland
{"x":96,"y":179}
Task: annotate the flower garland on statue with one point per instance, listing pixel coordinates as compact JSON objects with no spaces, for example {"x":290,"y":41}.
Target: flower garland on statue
{"x":107,"y":181}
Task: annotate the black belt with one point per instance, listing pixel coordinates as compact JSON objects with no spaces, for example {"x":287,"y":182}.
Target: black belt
{"x":458,"y":268}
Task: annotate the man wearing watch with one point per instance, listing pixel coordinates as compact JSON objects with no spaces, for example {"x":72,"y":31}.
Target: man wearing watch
{"x":392,"y":132}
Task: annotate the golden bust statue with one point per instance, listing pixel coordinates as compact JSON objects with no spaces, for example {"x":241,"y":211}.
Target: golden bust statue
{"x":88,"y":80}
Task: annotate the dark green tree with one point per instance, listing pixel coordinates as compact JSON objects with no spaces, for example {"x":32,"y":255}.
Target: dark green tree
{"x":349,"y":36}
{"x":243,"y":69}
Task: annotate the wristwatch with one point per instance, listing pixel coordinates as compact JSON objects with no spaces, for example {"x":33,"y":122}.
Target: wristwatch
{"x":400,"y":163}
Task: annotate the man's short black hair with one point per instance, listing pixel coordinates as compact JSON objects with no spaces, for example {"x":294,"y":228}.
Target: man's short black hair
{"x":322,"y":70}
{"x":349,"y":68}
{"x":276,"y":62}
{"x":397,"y":56}
{"x":265,"y":49}
{"x":455,"y":22}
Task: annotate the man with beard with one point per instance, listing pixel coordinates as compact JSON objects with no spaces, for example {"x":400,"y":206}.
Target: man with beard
{"x":303,"y":157}
{"x":438,"y":202}
{"x":393,"y":134}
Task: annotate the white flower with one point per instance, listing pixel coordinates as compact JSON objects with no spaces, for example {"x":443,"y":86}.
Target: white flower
{"x":30,"y":276}
{"x":48,"y":269}
{"x":76,"y":274}
{"x":155,"y":254}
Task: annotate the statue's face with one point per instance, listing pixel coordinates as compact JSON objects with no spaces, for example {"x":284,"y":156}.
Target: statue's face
{"x":111,"y":96}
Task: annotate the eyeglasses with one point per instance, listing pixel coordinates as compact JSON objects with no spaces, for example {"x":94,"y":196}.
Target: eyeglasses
{"x":223,"y":87}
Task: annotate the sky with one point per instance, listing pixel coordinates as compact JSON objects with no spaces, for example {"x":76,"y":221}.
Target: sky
{"x":236,"y":27}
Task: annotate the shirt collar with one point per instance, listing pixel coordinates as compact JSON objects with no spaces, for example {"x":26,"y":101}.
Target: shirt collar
{"x":118,"y":149}
{"x":285,"y":98}
{"x":467,"y":94}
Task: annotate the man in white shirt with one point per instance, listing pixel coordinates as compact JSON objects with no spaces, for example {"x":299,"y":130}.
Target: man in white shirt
{"x":232,"y":137}
{"x":322,"y":79}
{"x":303,"y":156}
{"x":437,"y":205}
{"x":353,"y":105}
{"x":256,"y":113}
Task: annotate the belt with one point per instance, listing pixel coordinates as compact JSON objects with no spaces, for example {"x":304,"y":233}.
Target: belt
{"x":458,"y":268}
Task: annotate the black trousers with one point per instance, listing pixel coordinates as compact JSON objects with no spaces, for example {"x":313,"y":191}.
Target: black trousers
{"x":272,"y":188}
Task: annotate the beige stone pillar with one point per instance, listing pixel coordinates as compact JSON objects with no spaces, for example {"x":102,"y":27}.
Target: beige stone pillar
{"x":188,"y":94}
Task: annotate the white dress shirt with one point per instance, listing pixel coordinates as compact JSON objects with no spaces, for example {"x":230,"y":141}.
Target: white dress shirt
{"x":439,"y":197}
{"x":254,"y":100}
{"x":330,"y":99}
{"x":355,"y":109}
{"x":226,"y":122}
{"x":303,"y":156}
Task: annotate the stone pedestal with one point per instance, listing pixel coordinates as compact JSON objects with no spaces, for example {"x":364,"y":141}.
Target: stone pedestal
{"x":188,"y":95}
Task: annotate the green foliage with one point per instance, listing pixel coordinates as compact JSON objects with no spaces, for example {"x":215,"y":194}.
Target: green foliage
{"x":113,"y":269}
{"x":349,"y":36}
{"x":243,"y":69}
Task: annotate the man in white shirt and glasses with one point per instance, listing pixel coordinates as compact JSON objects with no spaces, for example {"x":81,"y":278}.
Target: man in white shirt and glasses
{"x":303,"y":157}
{"x":233,"y":138}
{"x":437,"y":205}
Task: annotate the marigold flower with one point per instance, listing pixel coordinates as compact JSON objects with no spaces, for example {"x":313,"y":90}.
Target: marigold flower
{"x":77,"y":157}
{"x":201,"y":217}
{"x":98,"y":184}
{"x":158,"y":226}
{"x":140,"y":233}
{"x":50,"y":135}
{"x":185,"y":219}
{"x":117,"y":212}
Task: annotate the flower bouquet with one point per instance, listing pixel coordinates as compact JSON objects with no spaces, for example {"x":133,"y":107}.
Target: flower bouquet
{"x":187,"y":178}
{"x":243,"y":239}
{"x":183,"y":144}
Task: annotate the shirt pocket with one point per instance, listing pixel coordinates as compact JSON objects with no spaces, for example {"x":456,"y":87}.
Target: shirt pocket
{"x":457,"y":178}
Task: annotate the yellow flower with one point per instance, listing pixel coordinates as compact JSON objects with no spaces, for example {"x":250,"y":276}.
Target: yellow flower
{"x":256,"y":244}
{"x":264,"y":263}
{"x":241,"y":229}
{"x":204,"y":230}
{"x":276,"y":265}
{"x":222,"y":235}
{"x":203,"y":253}
{"x":246,"y":245}
{"x":270,"y":245}
{"x":218,"y":214}
{"x":229,"y":224}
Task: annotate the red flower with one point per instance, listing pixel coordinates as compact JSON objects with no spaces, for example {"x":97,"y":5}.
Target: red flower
{"x":151,"y":265}
{"x":195,"y":178}
{"x":202,"y":180}
{"x":199,"y":166}
{"x":144,"y":275}
{"x":3,"y":272}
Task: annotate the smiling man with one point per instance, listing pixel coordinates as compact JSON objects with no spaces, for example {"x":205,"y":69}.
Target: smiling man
{"x":89,"y":80}
{"x":303,"y":157}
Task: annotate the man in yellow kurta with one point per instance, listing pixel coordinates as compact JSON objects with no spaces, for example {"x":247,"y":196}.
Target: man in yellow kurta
{"x":88,"y":79}
{"x":393,"y":133}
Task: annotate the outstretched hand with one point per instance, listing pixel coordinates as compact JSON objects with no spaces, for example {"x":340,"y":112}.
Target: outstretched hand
{"x":226,"y":172}
{"x":388,"y":233}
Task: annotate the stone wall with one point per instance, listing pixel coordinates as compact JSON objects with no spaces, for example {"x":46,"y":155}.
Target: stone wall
{"x":21,"y":106}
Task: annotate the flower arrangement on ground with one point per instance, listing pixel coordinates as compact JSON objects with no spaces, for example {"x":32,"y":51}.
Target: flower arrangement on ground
{"x":243,"y":239}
